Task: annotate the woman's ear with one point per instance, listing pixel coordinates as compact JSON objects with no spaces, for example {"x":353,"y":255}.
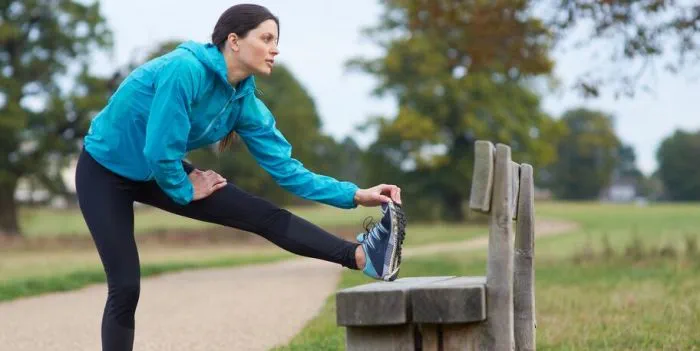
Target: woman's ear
{"x":233,"y":41}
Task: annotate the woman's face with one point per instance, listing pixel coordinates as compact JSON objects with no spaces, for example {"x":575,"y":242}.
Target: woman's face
{"x":258,"y":49}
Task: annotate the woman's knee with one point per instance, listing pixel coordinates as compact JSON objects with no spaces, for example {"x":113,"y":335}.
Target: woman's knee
{"x":126,"y":292}
{"x":121,"y":302}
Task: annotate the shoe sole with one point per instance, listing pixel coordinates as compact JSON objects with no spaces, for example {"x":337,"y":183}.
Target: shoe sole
{"x":398,"y":230}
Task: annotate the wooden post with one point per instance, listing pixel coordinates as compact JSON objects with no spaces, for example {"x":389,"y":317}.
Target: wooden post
{"x":516,"y":189}
{"x":524,"y":275}
{"x":482,"y":179}
{"x":499,"y":276}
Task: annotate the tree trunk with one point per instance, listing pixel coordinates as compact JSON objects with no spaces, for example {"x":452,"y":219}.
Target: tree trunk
{"x":9,"y":225}
{"x":453,"y":211}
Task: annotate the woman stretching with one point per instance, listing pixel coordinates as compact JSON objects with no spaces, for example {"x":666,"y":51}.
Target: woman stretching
{"x":192,"y":97}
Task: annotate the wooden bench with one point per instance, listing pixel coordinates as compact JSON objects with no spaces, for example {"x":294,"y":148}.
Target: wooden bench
{"x":495,"y":312}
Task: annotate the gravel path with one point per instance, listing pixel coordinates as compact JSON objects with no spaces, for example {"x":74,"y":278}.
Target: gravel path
{"x":244,"y":308}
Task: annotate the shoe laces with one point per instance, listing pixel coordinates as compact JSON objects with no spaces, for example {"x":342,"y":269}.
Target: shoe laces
{"x":370,"y":227}
{"x":369,"y":223}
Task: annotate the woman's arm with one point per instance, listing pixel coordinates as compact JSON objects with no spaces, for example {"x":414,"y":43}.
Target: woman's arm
{"x":274,"y":154}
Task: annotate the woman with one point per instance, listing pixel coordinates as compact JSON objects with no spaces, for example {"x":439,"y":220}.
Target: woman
{"x":194,"y":96}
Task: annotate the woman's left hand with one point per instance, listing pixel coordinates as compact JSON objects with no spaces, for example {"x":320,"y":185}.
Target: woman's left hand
{"x":378,"y":195}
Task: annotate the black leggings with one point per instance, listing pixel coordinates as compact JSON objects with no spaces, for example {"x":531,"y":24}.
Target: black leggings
{"x":106,"y":200}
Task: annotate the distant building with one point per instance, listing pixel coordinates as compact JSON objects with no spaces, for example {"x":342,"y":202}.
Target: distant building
{"x":621,"y":190}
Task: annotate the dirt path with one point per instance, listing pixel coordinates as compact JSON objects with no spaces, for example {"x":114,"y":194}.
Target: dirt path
{"x":243,"y":308}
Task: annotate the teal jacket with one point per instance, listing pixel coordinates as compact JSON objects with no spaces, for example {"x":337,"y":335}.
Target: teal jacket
{"x":182,"y":101}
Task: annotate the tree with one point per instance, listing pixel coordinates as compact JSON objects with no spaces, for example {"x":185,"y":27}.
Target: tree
{"x":342,"y":160}
{"x":460,"y":71}
{"x":628,"y":39}
{"x":587,"y":155}
{"x":42,"y":44}
{"x":633,"y":37}
{"x":677,"y":167}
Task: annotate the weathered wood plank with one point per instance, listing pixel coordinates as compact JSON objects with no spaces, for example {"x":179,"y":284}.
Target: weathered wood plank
{"x":524,"y":270}
{"x":380,"y":303}
{"x":394,"y":338}
{"x":482,"y":179}
{"x":499,"y":333}
{"x":516,"y":190}
{"x":456,"y":300}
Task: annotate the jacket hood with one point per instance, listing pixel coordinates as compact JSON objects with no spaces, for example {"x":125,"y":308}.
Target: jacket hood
{"x":210,"y":56}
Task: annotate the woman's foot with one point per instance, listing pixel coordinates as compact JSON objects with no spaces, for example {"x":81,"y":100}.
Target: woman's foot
{"x":382,"y":243}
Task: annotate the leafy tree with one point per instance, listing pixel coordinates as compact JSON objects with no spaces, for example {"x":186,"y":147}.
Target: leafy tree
{"x":677,"y":167}
{"x":634,"y":38}
{"x":587,"y":155}
{"x":42,"y":45}
{"x":460,"y":71}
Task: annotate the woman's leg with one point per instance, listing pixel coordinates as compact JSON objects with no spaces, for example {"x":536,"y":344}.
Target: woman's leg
{"x":233,"y":207}
{"x":107,"y":205}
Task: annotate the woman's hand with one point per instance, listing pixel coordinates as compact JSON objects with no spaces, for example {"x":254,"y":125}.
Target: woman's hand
{"x":205,"y":183}
{"x":378,"y":195}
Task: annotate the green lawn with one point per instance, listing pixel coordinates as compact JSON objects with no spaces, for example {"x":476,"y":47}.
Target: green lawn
{"x":614,"y":302}
{"x":655,"y":225}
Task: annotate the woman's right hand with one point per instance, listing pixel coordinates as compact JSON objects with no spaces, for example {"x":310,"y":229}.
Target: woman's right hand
{"x":205,"y":183}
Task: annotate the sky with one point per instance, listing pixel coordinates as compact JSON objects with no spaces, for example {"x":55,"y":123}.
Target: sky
{"x":317,"y":37}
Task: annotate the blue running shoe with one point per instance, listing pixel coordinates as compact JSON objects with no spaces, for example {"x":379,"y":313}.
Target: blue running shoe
{"x":382,"y":243}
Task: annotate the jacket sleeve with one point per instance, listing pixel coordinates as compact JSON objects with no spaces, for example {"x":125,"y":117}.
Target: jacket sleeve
{"x":168,"y":128}
{"x":273,"y":153}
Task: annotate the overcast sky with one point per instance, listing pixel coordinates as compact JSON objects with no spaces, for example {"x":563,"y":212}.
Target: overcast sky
{"x":318,"y":36}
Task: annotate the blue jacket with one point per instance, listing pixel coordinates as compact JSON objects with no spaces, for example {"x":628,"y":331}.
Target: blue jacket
{"x":182,"y":101}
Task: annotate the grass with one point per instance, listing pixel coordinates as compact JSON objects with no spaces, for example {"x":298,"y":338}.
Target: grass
{"x":422,"y":234}
{"x":654,"y":225}
{"x":613,"y":302}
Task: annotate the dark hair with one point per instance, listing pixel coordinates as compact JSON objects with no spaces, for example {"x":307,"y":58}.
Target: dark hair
{"x":240,"y":19}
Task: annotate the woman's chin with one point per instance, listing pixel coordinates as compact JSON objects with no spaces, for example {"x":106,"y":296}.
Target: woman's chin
{"x":265,"y":71}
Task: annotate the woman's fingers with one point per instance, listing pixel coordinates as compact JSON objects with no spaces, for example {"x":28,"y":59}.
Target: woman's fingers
{"x":217,"y":176}
{"x":218,"y":186}
{"x":393,"y":191}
